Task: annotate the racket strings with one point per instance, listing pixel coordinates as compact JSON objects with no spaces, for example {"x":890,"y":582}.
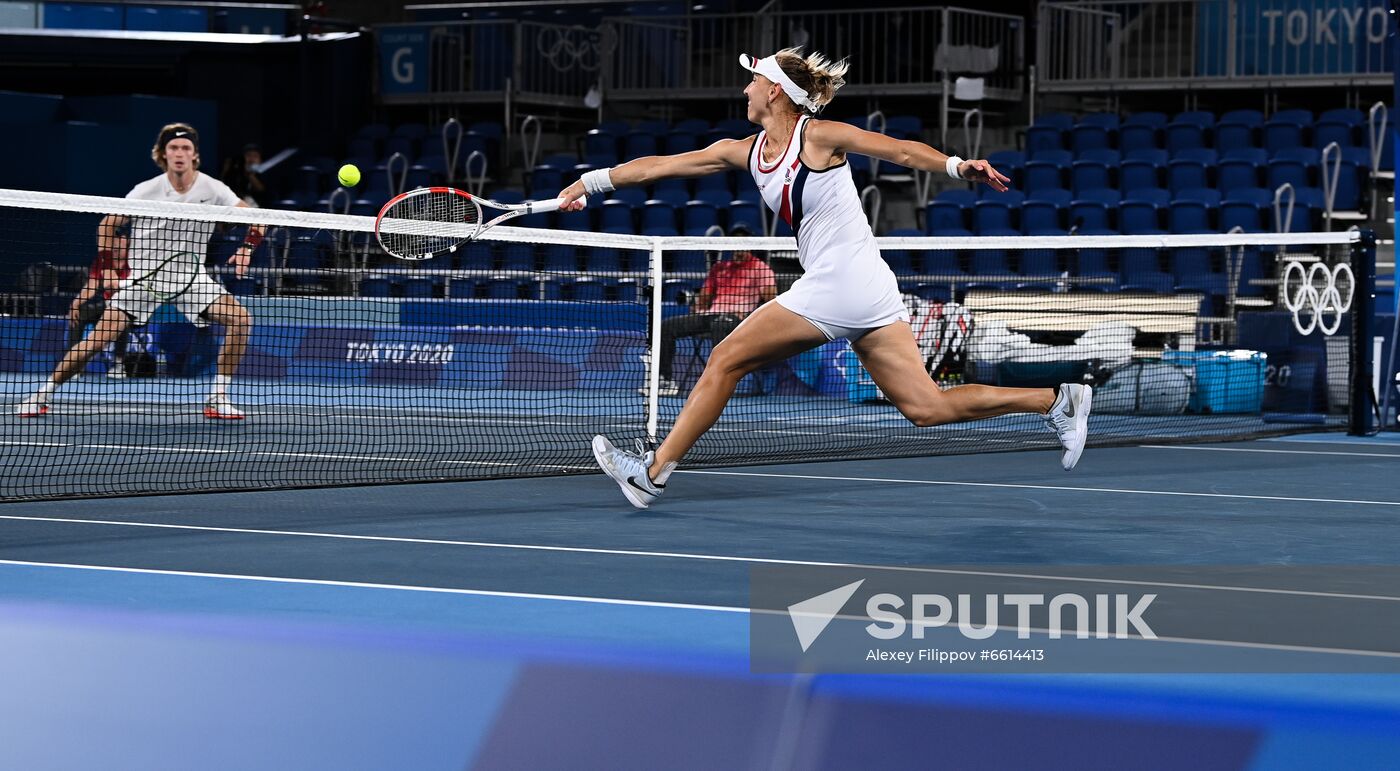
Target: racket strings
{"x":428,"y":224}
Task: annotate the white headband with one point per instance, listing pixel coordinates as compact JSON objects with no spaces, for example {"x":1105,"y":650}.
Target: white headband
{"x":768,"y":68}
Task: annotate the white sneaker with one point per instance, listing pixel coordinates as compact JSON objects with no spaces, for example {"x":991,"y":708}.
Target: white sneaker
{"x":629,"y":470}
{"x":1069,"y":419}
{"x":218,"y":407}
{"x":35,"y":406}
{"x":117,"y":370}
{"x":667,"y":387}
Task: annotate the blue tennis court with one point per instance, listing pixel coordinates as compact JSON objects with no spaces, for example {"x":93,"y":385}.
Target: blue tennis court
{"x":445,"y":624}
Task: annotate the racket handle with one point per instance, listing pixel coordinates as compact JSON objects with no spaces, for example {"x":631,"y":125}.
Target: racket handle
{"x":552,"y":204}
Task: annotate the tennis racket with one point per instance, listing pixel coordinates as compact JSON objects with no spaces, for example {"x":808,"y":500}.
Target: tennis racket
{"x":430,"y":221}
{"x":171,"y":278}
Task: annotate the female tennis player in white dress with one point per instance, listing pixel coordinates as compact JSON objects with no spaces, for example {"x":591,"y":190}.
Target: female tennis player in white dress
{"x":846,"y":289}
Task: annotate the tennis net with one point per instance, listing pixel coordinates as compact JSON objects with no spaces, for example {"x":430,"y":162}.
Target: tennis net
{"x":504,"y":358}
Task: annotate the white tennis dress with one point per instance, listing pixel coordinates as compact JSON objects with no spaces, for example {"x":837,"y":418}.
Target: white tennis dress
{"x":845,"y":283}
{"x":152,"y":240}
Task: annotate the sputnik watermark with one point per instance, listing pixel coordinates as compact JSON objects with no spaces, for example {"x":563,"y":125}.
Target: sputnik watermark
{"x":1119,"y":616}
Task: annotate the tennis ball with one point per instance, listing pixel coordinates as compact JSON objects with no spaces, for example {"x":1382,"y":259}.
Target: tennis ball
{"x":349,"y":175}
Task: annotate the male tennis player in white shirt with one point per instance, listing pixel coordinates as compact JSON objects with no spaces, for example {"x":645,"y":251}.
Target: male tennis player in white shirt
{"x":166,"y":257}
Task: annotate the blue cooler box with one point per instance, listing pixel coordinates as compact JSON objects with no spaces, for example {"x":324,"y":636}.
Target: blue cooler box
{"x":1226,"y":381}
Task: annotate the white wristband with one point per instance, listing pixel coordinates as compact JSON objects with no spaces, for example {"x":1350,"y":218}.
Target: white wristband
{"x":952,"y":166}
{"x":597,"y":182}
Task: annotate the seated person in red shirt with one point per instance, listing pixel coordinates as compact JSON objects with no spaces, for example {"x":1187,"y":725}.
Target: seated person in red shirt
{"x":104,"y":276}
{"x":736,"y":285}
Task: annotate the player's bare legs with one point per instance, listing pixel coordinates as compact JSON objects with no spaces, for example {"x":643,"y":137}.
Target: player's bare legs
{"x":237,"y":323}
{"x":108,"y":328}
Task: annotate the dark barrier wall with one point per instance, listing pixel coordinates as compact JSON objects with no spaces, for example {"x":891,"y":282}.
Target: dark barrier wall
{"x":97,"y":138}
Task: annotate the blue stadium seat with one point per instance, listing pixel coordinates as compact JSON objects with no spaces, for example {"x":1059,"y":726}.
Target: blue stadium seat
{"x":547,"y":180}
{"x":681,"y":142}
{"x":1252,"y":261}
{"x":1040,"y":139}
{"x":1193,"y":210}
{"x":417,"y":287}
{"x":1040,"y":263}
{"x":693,"y":126}
{"x":506,"y":195}
{"x":1094,"y":210}
{"x":1326,"y":132}
{"x":946,"y":262}
{"x":1043,"y":175}
{"x":1094,"y":262}
{"x":376,"y":286}
{"x":947,"y":213}
{"x":502,"y":288}
{"x":639,"y":143}
{"x":991,"y":215}
{"x":1141,"y":131}
{"x":658,"y":214}
{"x":697,"y":217}
{"x":559,"y":258}
{"x":1190,"y":168}
{"x":616,"y":216}
{"x":1189,"y":130}
{"x":1090,"y":137}
{"x":1240,"y":168}
{"x":1245,"y":208}
{"x":673,"y":191}
{"x":1044,"y":210}
{"x":1285,"y":130}
{"x":1307,"y":205}
{"x":1060,"y":120}
{"x":1352,"y":167}
{"x":1142,"y":169}
{"x":1009,"y":162}
{"x":716,"y":197}
{"x":604,"y":259}
{"x":1140,"y":211}
{"x":634,"y":196}
{"x":715,"y":183}
{"x":993,"y":262}
{"x":1086,"y":174}
{"x":904,"y":126}
{"x":1140,"y":270}
{"x":901,"y":261}
{"x":1193,"y":270}
{"x":601,"y":143}
{"x":615,"y":127}
{"x":747,"y":214}
{"x":1296,"y":166}
{"x":401,"y":145}
{"x":672,"y":289}
{"x":586,"y":290}
{"x":1238,"y":129}
{"x":517,"y":257}
{"x":559,"y":160}
{"x":477,"y":255}
{"x":687,"y":261}
{"x":663,"y":231}
{"x":738,"y":128}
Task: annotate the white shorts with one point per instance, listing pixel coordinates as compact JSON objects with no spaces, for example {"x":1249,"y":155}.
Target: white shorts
{"x":140,"y":304}
{"x":851,"y":312}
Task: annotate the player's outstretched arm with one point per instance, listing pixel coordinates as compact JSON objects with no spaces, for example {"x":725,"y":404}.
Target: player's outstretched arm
{"x":836,"y":138}
{"x":723,"y":155}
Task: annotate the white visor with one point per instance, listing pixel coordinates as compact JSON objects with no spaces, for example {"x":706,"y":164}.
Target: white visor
{"x":768,"y":68}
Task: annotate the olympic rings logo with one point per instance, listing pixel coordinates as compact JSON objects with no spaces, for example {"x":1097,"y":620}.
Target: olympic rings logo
{"x":575,"y":47}
{"x":1317,"y":295}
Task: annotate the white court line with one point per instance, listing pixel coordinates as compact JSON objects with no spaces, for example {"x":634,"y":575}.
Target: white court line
{"x":1332,"y":441}
{"x":617,"y":601}
{"x":1277,"y":452}
{"x":269,"y":453}
{"x":684,"y":555}
{"x":1124,"y":491}
{"x":399,"y":587}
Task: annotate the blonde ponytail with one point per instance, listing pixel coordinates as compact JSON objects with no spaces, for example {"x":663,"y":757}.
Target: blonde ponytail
{"x":819,"y":76}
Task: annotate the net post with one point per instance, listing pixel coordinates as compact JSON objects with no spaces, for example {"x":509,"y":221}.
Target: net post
{"x":654,"y":345}
{"x":1363,"y":266}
